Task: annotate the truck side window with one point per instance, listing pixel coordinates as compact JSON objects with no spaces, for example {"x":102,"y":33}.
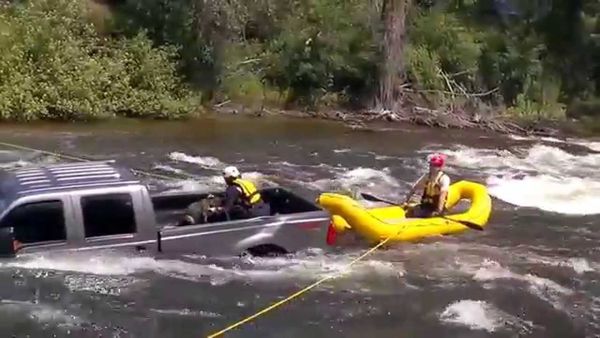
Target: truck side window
{"x":105,"y":215}
{"x":37,"y":222}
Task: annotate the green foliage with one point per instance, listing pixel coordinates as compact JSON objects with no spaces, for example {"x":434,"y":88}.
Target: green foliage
{"x":305,"y":48}
{"x":53,"y":65}
{"x":312,"y":53}
{"x":242,"y":79}
{"x":450,"y":57}
{"x":324,"y":46}
{"x":424,"y":69}
{"x":443,"y":54}
{"x":327,"y":52}
{"x":455,"y":44}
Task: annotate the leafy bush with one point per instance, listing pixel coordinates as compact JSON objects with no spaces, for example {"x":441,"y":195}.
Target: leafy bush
{"x":446,"y":56}
{"x":325,"y":46}
{"x":53,"y":65}
{"x":314,"y":53}
{"x":454,"y":43}
{"x":442,"y":57}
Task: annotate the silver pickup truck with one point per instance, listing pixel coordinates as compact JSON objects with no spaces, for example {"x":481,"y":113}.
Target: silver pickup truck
{"x":98,"y":205}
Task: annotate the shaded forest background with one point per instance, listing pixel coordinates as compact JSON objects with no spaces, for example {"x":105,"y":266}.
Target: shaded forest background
{"x":83,"y":59}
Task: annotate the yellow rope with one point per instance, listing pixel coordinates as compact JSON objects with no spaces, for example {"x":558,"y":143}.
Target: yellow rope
{"x":298,"y":293}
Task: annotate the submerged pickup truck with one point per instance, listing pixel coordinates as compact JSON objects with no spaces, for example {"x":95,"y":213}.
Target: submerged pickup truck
{"x":98,"y":205}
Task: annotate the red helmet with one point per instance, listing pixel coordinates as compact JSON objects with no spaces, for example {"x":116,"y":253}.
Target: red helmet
{"x":437,"y":160}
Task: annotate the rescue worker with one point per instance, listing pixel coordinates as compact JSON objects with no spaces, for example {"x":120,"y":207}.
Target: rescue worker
{"x":435,"y":185}
{"x":242,"y":199}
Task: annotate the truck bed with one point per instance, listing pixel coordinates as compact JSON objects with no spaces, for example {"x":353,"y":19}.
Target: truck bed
{"x":169,"y":208}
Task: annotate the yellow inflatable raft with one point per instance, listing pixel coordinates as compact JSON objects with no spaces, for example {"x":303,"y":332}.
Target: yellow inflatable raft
{"x":378,"y":224}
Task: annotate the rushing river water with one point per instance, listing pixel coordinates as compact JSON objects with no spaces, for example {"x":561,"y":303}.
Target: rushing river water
{"x":533,"y":272}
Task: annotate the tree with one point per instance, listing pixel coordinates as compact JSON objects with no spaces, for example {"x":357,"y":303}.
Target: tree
{"x":394,"y":13}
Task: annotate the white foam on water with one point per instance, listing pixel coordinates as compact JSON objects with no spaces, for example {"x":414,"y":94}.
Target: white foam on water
{"x":384,"y":157}
{"x":363,"y":179}
{"x":537,"y":138}
{"x":544,"y":288}
{"x":168,"y":168}
{"x":203,"y":184}
{"x":315,"y":263}
{"x":214,"y":182}
{"x":294,"y":165}
{"x":187,"y":313}
{"x":536,"y":159}
{"x":309,"y":265}
{"x":18,"y":160}
{"x":570,"y":196}
{"x":481,"y":315}
{"x":542,"y":177}
{"x":341,"y":151}
{"x":476,"y":315}
{"x":592,"y":145}
{"x":595,"y":146}
{"x":15,"y":164}
{"x":580,"y":265}
{"x":100,"y":284}
{"x":203,"y":161}
{"x":41,"y":313}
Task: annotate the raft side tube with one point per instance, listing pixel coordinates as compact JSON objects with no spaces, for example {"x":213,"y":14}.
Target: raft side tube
{"x":359,"y":218}
{"x":481,"y":202}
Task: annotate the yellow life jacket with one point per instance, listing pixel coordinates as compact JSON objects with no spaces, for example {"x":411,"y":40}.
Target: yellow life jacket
{"x":432,"y":192}
{"x":250,"y":194}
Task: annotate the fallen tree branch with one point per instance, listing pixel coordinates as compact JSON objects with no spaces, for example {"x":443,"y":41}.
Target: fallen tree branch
{"x":221,"y":104}
{"x":245,"y":62}
{"x":435,"y":91}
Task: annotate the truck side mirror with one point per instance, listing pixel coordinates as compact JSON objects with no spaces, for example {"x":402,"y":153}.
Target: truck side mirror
{"x":7,"y":243}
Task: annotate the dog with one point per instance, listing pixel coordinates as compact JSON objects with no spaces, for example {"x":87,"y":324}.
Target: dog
{"x":203,"y":211}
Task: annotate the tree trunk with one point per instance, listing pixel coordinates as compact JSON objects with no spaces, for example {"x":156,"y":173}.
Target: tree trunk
{"x":394,"y":39}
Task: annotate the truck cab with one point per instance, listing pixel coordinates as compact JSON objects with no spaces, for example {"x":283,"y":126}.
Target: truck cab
{"x":96,"y":205}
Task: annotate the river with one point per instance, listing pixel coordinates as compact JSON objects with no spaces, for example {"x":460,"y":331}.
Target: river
{"x":533,"y":272}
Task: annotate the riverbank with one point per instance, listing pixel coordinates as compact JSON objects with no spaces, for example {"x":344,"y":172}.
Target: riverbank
{"x":365,"y":120}
{"x":94,"y":59}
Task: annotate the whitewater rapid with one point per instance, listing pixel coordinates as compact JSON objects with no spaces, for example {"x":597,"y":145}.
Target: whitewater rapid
{"x":540,"y":174}
{"x":537,"y":176}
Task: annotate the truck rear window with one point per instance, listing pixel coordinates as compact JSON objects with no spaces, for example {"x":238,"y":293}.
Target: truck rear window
{"x":37,"y":222}
{"x":110,"y":214}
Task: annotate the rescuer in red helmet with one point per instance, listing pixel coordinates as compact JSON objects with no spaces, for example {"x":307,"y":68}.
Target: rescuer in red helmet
{"x":435,"y":185}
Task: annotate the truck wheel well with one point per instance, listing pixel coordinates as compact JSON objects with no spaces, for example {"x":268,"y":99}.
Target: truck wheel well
{"x":266,"y":250}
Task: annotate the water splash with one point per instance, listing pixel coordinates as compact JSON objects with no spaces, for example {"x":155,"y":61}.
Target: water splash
{"x":368,"y":179}
{"x":308,"y":265}
{"x":542,"y":177}
{"x":480,"y":315}
{"x":203,"y":161}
